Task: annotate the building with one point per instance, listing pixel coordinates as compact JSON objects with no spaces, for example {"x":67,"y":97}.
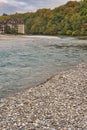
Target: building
{"x":17,"y":24}
{"x":14,"y":24}
{"x":2,"y":27}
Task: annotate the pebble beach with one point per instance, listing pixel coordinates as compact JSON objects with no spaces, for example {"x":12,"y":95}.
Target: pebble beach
{"x":58,"y":104}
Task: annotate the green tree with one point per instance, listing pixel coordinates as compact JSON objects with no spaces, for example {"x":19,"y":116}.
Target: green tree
{"x":68,"y":19}
{"x":14,"y":31}
{"x":7,"y":29}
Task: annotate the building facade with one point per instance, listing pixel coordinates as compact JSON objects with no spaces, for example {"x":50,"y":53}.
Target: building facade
{"x":16,"y":23}
{"x":2,"y":27}
{"x":13,"y":24}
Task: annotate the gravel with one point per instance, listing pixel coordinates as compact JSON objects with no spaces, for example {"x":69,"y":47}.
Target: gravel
{"x":58,"y":104}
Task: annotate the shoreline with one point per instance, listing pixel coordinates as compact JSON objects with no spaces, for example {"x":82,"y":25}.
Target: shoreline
{"x":65,"y":68}
{"x":42,"y":36}
{"x":58,"y":103}
{"x":26,"y":36}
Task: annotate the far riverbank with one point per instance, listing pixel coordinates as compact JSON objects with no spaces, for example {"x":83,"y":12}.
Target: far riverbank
{"x":38,"y":36}
{"x":41,"y":36}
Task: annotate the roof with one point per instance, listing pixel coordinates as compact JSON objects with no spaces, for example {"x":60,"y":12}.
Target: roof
{"x":15,"y":21}
{"x":2,"y":22}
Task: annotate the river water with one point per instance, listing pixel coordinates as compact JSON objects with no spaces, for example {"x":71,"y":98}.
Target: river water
{"x":26,"y":61}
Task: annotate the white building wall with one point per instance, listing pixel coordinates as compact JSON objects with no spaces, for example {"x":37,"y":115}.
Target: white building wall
{"x":21,"y":28}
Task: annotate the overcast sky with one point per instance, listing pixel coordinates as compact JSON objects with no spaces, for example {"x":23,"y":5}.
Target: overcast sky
{"x":20,"y":6}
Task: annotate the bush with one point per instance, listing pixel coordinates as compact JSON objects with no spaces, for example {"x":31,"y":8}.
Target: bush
{"x":68,"y":32}
{"x":75,"y":33}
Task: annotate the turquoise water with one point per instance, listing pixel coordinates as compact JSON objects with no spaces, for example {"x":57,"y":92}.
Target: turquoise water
{"x":27,"y":61}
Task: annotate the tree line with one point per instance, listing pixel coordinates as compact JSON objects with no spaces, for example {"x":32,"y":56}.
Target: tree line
{"x":68,"y":19}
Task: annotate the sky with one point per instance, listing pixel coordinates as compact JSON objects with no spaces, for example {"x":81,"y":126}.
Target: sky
{"x":21,"y":6}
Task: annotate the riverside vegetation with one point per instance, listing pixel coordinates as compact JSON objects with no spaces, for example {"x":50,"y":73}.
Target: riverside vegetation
{"x":68,"y":19}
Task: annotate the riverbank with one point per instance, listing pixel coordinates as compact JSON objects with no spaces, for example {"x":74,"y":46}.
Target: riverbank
{"x":58,"y":104}
{"x":30,"y":36}
{"x":83,"y":37}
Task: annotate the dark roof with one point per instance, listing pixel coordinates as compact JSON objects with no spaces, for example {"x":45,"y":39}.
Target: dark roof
{"x":15,"y":21}
{"x":2,"y":22}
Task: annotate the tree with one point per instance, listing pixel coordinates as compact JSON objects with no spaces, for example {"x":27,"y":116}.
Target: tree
{"x":67,"y":19}
{"x":14,"y":31}
{"x":7,"y":29}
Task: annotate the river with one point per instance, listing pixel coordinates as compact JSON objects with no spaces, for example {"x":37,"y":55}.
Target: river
{"x":26,"y":61}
